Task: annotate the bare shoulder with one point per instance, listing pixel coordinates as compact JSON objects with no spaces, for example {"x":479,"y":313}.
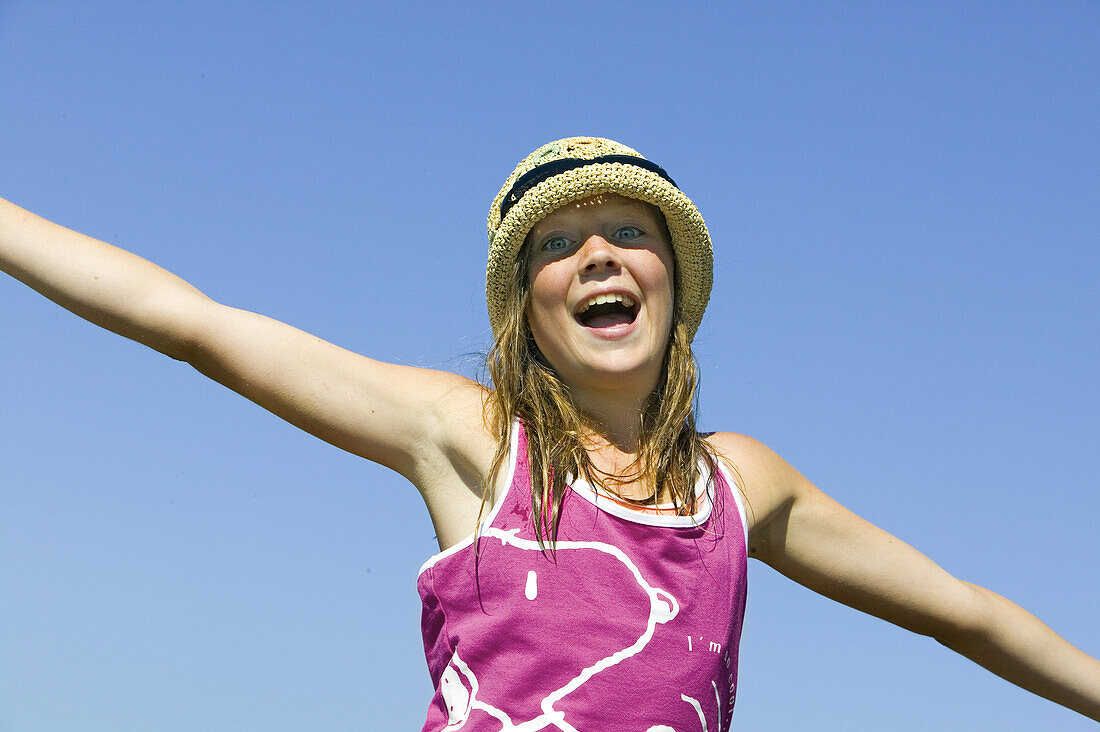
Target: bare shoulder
{"x":456,"y":455}
{"x":458,"y":433}
{"x":466,"y":420}
{"x":768,"y":482}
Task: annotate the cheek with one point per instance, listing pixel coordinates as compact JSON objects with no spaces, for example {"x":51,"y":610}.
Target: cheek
{"x":541,"y":320}
{"x":536,"y":311}
{"x":547,"y":293}
{"x":547,"y":312}
{"x":534,"y":321}
{"x":658,"y":272}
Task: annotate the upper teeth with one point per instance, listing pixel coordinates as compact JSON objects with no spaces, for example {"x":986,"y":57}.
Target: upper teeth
{"x":626,"y":300}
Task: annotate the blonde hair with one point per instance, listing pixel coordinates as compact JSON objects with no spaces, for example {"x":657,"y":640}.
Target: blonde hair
{"x":525,"y":385}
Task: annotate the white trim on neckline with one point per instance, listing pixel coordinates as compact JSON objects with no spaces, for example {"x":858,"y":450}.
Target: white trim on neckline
{"x":603,"y":501}
{"x":704,"y":490}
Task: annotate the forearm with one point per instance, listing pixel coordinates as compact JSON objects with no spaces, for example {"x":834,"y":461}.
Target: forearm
{"x":820,"y":544}
{"x":105,"y":285}
{"x":1017,"y":646}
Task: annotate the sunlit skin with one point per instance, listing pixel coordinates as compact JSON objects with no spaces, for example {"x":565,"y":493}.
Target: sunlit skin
{"x":433,"y":427}
{"x":606,"y":244}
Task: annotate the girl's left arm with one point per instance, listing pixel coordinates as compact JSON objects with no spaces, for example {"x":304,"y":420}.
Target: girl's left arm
{"x":815,"y":541}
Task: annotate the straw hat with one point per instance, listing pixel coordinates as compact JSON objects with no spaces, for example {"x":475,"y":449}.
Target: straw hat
{"x":578,"y":167}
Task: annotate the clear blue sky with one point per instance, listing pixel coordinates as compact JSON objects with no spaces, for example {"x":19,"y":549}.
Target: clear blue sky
{"x":905,"y":205}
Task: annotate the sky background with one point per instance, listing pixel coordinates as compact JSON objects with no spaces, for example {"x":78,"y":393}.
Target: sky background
{"x":905,"y":206}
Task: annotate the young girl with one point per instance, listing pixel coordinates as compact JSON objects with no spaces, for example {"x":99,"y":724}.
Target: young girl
{"x":592,"y":542}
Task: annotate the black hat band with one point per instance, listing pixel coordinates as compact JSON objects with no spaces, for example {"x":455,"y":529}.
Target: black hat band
{"x":539,"y":173}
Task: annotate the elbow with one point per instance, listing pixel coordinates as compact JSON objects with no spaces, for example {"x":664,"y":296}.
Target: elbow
{"x":176,"y":342}
{"x":969,"y":621}
{"x":173,"y":325}
{"x":193,"y":330}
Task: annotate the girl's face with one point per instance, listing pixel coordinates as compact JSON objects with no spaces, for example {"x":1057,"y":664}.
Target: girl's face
{"x":601,"y":292}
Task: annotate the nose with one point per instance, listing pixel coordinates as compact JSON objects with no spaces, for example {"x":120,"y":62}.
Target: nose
{"x":599,"y":255}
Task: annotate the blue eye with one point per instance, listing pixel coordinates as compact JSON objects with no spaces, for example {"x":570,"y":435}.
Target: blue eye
{"x":556,"y":244}
{"x":628,"y":232}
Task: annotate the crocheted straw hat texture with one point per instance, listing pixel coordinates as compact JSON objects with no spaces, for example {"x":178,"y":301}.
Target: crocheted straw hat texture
{"x":578,"y":167}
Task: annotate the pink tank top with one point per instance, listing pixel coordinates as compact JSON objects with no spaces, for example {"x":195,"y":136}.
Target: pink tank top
{"x":633,"y":624}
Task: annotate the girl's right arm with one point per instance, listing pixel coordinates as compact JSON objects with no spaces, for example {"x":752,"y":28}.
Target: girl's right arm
{"x":426,"y":425}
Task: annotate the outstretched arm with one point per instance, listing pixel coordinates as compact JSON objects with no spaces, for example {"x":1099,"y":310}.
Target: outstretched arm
{"x":815,"y":541}
{"x":425,"y":424}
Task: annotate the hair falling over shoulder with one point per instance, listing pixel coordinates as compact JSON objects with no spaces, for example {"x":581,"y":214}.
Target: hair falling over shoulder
{"x":523,"y":385}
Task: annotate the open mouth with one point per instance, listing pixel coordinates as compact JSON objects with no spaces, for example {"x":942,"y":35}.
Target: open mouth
{"x":605,"y":311}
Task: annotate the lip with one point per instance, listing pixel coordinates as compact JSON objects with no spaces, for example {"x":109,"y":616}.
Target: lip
{"x":612,"y":332}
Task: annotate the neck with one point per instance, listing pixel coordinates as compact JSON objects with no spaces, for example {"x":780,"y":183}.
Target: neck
{"x":614,"y":422}
{"x":614,"y":445}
